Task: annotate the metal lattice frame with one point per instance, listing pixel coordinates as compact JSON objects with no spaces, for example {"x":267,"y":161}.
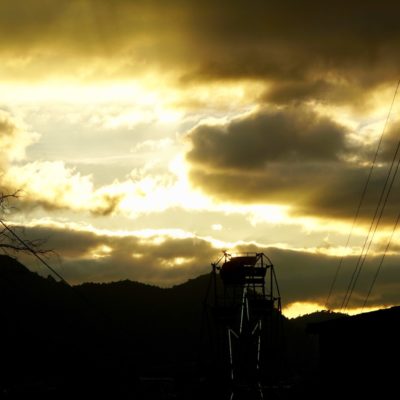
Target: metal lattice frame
{"x":245,"y":298}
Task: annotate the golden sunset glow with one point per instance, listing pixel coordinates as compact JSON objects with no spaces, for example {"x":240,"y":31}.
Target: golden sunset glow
{"x":134,"y":123}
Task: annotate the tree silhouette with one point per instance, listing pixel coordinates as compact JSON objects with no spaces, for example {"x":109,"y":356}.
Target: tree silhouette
{"x":12,"y":239}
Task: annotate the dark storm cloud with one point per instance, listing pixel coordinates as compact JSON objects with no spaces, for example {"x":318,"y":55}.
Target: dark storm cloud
{"x":302,"y":276}
{"x":290,"y":157}
{"x":306,"y":277}
{"x":293,"y":92}
{"x":289,"y":135}
{"x":127,"y":257}
{"x":304,"y":50}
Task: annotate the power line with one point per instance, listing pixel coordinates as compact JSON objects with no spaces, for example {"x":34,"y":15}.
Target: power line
{"x":105,"y":317}
{"x":363,"y":258}
{"x":81,"y":295}
{"x":32,"y":251}
{"x":50,"y":268}
{"x":367,"y":242}
{"x":339,"y":267}
{"x":381,"y":261}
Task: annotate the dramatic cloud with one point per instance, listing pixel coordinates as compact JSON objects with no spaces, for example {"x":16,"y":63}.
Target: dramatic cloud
{"x":53,"y":186}
{"x":15,"y":137}
{"x":330,"y":52}
{"x":292,"y":157}
{"x":282,"y":102}
{"x":158,"y":258}
{"x":57,"y":185}
{"x":167,"y":259}
{"x":250,"y":143}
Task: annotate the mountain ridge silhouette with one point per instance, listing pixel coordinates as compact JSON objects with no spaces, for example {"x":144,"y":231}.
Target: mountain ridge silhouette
{"x":101,"y":338}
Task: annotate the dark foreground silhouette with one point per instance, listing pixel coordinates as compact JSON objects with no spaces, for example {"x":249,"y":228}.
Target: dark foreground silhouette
{"x":127,"y":338}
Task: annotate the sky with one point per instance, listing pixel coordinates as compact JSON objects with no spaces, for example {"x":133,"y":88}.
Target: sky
{"x":146,"y":137}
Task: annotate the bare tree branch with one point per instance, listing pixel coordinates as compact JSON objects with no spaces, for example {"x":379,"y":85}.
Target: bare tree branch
{"x":8,"y":239}
{"x":12,"y":247}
